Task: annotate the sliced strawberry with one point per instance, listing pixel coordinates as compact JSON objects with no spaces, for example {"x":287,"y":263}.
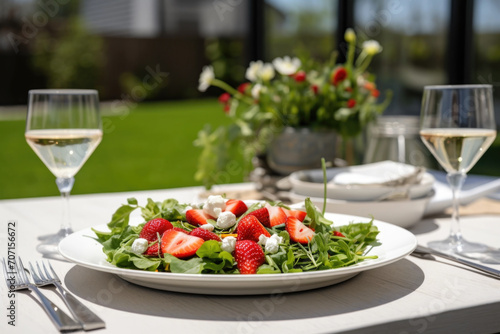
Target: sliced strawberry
{"x":338,"y":234}
{"x":153,"y":227}
{"x":249,"y":228}
{"x":152,"y":250}
{"x":262,"y":215}
{"x":204,"y":234}
{"x":179,"y":244}
{"x":298,"y":231}
{"x":276,"y":215}
{"x":300,"y":215}
{"x":197,"y":217}
{"x":249,"y":256}
{"x":236,"y":206}
{"x":180,"y":230}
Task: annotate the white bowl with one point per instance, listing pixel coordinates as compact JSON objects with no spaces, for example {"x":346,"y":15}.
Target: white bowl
{"x":403,"y":213}
{"x":310,"y":183}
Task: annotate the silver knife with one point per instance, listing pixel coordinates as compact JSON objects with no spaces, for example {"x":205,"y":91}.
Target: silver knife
{"x":426,"y":253}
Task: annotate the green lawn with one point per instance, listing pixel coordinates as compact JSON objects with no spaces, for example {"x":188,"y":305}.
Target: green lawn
{"x":148,"y":148}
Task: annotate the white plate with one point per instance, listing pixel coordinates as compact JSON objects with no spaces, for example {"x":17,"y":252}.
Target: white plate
{"x":396,"y":243}
{"x":403,"y":213}
{"x":310,"y":183}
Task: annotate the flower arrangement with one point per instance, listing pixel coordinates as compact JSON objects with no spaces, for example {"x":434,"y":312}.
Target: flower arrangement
{"x":289,"y":92}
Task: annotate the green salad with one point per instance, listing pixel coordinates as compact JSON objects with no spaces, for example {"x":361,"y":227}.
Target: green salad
{"x":230,"y":236}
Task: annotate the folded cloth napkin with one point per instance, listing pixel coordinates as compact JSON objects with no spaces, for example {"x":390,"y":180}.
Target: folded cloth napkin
{"x":387,"y":173}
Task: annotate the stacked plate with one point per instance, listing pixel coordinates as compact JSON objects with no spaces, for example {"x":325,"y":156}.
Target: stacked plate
{"x":389,"y":191}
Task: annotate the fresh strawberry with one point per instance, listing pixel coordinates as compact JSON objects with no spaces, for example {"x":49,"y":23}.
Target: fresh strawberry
{"x":180,"y":244}
{"x":249,"y":228}
{"x":262,"y":215}
{"x":153,"y":227}
{"x":249,"y":256}
{"x":300,"y":215}
{"x":152,"y":250}
{"x":276,"y":215}
{"x":338,"y":234}
{"x":298,"y":231}
{"x":180,"y":230}
{"x":197,"y":217}
{"x":236,"y":206}
{"x":204,"y":234}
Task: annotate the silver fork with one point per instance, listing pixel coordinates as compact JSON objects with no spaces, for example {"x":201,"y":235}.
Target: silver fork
{"x":84,"y":315}
{"x":16,"y":279}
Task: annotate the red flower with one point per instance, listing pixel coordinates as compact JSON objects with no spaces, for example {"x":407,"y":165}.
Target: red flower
{"x":338,"y":76}
{"x":224,"y":98}
{"x":243,"y":87}
{"x":227,"y":107}
{"x":300,"y":76}
{"x":351,"y":103}
{"x":315,"y":89}
{"x":375,"y":93}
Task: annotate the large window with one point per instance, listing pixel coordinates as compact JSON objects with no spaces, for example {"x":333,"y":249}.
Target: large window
{"x":413,"y":34}
{"x":294,"y":27}
{"x":486,"y":52}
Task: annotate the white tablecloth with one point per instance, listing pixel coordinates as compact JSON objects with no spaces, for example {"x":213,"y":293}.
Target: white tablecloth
{"x":409,"y":296}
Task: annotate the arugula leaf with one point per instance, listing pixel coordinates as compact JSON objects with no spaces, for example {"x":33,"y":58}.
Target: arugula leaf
{"x":317,"y":221}
{"x":151,"y":210}
{"x":132,"y":201}
{"x":211,"y":259}
{"x":119,"y":220}
{"x":191,"y":266}
{"x":210,"y":249}
{"x":268,"y":269}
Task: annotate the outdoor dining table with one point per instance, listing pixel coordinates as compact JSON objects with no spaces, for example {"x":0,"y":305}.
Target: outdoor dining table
{"x":412,"y":295}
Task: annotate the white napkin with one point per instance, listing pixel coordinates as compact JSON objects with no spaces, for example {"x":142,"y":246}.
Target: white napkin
{"x":384,"y":172}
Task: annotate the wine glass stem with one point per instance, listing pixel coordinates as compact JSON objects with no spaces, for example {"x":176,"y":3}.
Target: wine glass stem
{"x":456,"y":180}
{"x":65,"y":184}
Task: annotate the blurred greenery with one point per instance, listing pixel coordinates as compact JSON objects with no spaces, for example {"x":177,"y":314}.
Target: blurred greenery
{"x":148,"y":148}
{"x":71,"y":59}
{"x":224,"y":55}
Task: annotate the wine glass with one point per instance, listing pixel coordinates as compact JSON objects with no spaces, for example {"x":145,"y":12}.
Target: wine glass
{"x":457,"y":125}
{"x":63,"y":127}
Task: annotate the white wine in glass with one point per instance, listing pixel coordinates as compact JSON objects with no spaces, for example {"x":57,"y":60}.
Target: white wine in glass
{"x":63,"y":127}
{"x":457,"y":126}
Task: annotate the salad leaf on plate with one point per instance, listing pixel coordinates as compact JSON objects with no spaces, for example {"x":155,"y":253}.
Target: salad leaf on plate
{"x":331,"y":247}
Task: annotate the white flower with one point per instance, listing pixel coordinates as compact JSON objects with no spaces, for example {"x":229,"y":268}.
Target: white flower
{"x":253,"y":69}
{"x":139,"y":246}
{"x":206,"y":77}
{"x":266,"y":72}
{"x":256,"y":91}
{"x":350,"y":35}
{"x":286,"y":65}
{"x":372,"y":47}
{"x":208,"y":227}
{"x":228,"y":244}
{"x":360,"y":81}
{"x":214,"y":205}
{"x":226,"y":219}
{"x":273,"y":243}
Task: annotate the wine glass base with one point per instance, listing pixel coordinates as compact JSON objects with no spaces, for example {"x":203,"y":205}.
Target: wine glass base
{"x":491,"y":257}
{"x":460,"y":247}
{"x":50,"y":243}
